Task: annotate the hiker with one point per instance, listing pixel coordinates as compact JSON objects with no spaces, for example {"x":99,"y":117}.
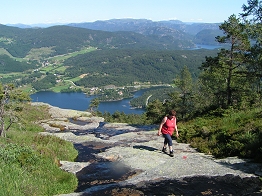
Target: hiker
{"x":167,"y":128}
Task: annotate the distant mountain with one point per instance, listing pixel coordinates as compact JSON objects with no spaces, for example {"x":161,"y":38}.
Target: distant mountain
{"x":138,"y":25}
{"x":207,"y":36}
{"x":22,"y":26}
{"x":40,"y":25}
{"x":184,"y":34}
{"x":172,"y":28}
{"x":65,"y":39}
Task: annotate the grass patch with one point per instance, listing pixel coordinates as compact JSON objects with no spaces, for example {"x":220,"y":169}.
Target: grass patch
{"x":53,"y":69}
{"x":49,"y":68}
{"x":60,"y":69}
{"x":13,"y":75}
{"x":4,"y":51}
{"x":38,"y":53}
{"x":75,"y":79}
{"x":6,"y":40}
{"x":58,"y":89}
{"x":65,"y":85}
{"x":73,"y":54}
{"x":30,"y":161}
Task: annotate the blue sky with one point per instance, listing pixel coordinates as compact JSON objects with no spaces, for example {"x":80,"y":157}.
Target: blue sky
{"x":75,"y":11}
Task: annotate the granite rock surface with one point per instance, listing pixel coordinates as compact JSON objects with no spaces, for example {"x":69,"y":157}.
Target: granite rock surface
{"x":134,"y":153}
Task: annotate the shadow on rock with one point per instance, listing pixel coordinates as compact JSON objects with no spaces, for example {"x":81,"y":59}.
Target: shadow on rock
{"x":87,"y":151}
{"x":142,"y":147}
{"x":191,"y":186}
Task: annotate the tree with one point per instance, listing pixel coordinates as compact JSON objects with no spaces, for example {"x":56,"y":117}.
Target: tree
{"x":185,"y":84}
{"x":211,"y":85}
{"x":155,"y":111}
{"x":10,"y":106}
{"x":93,"y":106}
{"x":253,"y":19}
{"x":227,"y":71}
{"x":253,"y":10}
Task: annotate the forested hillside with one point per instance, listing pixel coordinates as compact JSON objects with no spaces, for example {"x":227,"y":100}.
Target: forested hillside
{"x":8,"y":65}
{"x":128,"y":67}
{"x":207,"y":36}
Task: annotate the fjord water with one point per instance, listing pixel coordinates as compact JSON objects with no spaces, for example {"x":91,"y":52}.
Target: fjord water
{"x":79,"y":101}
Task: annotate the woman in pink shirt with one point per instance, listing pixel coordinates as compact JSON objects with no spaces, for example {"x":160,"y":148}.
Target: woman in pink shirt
{"x":167,"y":128}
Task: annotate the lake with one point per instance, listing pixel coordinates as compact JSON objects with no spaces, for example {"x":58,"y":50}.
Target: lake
{"x":79,"y":101}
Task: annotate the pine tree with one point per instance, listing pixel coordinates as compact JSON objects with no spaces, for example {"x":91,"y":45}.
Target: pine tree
{"x":226,"y":73}
{"x":184,"y":102}
{"x":253,"y":19}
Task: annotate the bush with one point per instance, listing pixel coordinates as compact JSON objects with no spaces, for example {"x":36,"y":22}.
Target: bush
{"x":24,"y":156}
{"x":232,"y":133}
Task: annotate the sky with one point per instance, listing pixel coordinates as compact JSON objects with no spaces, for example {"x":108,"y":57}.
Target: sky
{"x":77,"y":11}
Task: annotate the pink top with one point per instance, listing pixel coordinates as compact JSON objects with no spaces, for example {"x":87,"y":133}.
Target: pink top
{"x":169,"y":126}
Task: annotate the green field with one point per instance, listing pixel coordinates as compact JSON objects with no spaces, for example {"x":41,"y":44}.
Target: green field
{"x":61,"y":58}
{"x":4,"y":51}
{"x":12,"y":75}
{"x":39,"y":53}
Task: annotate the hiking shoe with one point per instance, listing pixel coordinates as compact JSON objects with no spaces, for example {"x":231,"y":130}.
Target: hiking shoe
{"x":164,"y":150}
{"x":171,"y":153}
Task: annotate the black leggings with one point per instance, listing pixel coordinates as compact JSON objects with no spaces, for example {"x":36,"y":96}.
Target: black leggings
{"x":168,"y":139}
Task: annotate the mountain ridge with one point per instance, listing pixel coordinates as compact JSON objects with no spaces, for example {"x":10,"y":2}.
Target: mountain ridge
{"x":146,"y":27}
{"x":128,"y":24}
{"x":159,"y":28}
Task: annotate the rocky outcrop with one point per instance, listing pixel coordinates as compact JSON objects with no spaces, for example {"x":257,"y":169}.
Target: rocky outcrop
{"x":120,"y":159}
